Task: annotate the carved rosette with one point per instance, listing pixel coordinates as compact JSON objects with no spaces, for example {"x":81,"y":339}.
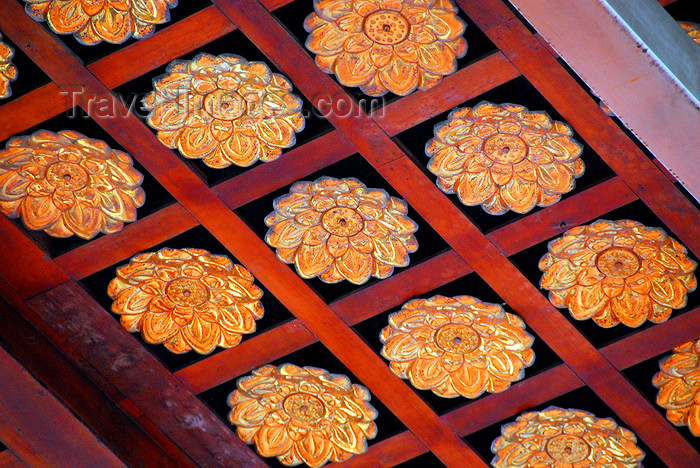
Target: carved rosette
{"x":224,"y":110}
{"x":339,"y":229}
{"x":302,"y":415}
{"x":186,"y":299}
{"x":457,"y":346}
{"x":66,"y":183}
{"x":679,"y":386}
{"x":387,"y":45}
{"x":617,"y":271}
{"x":693,"y":30}
{"x":94,"y":21}
{"x":8,"y":71}
{"x":563,"y":438}
{"x":504,"y":157}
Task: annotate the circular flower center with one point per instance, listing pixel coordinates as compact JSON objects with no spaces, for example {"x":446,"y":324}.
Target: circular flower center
{"x":458,"y":338}
{"x":506,"y":149}
{"x":342,"y":221}
{"x":304,"y":407}
{"x":618,"y":262}
{"x":187,"y":292}
{"x":224,"y":105}
{"x":67,"y":176}
{"x":386,"y":27}
{"x":567,"y":448}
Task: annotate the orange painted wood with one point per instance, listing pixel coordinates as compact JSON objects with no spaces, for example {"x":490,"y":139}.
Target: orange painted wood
{"x":653,"y":341}
{"x":465,"y":84}
{"x":9,"y":460}
{"x":118,"y":431}
{"x":39,"y":430}
{"x":134,"y":238}
{"x":30,"y":109}
{"x":18,"y":265}
{"x":389,"y":452}
{"x":599,"y":131}
{"x":486,"y":13}
{"x":101,"y":341}
{"x":293,"y":165}
{"x":551,"y":221}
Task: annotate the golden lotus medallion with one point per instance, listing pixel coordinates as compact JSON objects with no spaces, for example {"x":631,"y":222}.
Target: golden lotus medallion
{"x":224,"y":110}
{"x":186,"y":299}
{"x":8,"y":71}
{"x":302,"y":415}
{"x":457,"y":346}
{"x":693,"y":30}
{"x":504,"y":157}
{"x":617,"y":271}
{"x":94,"y":21}
{"x":66,"y":183}
{"x":561,"y":438}
{"x":338,"y":229}
{"x":679,"y":386}
{"x":386,"y":46}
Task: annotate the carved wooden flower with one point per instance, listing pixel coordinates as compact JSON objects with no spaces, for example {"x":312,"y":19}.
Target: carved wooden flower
{"x":617,"y":271}
{"x":563,"y":438}
{"x":386,"y":45}
{"x":504,"y":157}
{"x":224,"y":110}
{"x":339,"y":229}
{"x":457,"y":346}
{"x":693,"y":30}
{"x":302,"y":415}
{"x":8,"y":71}
{"x":66,"y":183}
{"x":679,"y":386}
{"x":186,"y":299}
{"x":92,"y":21}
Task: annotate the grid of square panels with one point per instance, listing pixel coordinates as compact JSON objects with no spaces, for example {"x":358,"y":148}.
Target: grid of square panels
{"x":251,"y":209}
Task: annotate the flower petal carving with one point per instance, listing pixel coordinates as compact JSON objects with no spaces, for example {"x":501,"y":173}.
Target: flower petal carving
{"x":92,"y":22}
{"x":224,"y":110}
{"x":693,"y":30}
{"x":338,"y":229}
{"x":457,"y":346}
{"x":617,"y":272}
{"x":8,"y":71}
{"x":65,"y":183}
{"x":386,"y":46}
{"x":560,"y":437}
{"x":302,"y":414}
{"x":678,"y":382}
{"x":186,"y":299}
{"x":504,"y":157}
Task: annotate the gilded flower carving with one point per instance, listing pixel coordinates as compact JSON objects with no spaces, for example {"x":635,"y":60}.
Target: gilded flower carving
{"x":457,"y":346}
{"x":224,"y":110}
{"x":386,"y":45}
{"x":617,"y":271}
{"x":66,"y":183}
{"x":186,"y":299}
{"x":693,"y":30}
{"x":302,"y":415}
{"x":339,"y":229}
{"x":94,"y":21}
{"x":8,"y":71}
{"x":563,"y":438}
{"x":679,"y":386}
{"x":504,"y":157}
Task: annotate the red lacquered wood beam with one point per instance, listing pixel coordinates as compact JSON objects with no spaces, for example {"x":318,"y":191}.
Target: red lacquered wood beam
{"x":454,"y":89}
{"x":39,"y":430}
{"x":10,"y":460}
{"x":599,"y":131}
{"x":101,"y":341}
{"x":165,"y":45}
{"x":19,"y":263}
{"x":30,"y":109}
{"x":598,"y":200}
{"x":134,"y":238}
{"x":486,"y":14}
{"x":653,"y":341}
{"x":389,"y":452}
{"x":293,"y":165}
{"x":120,"y":433}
